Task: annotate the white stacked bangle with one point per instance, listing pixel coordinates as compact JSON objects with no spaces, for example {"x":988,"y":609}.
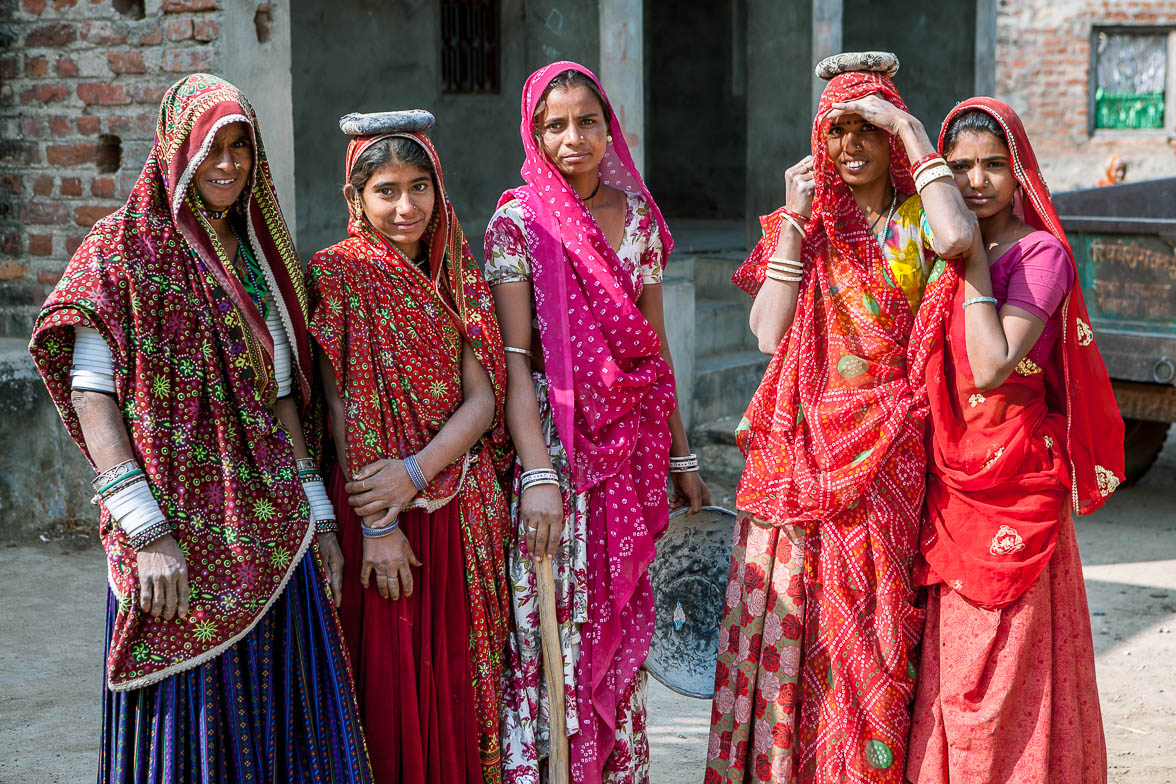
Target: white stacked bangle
{"x":283,"y":362}
{"x":929,"y":174}
{"x":936,"y":161}
{"x":322,"y":511}
{"x":785,"y":270}
{"x":795,"y":224}
{"x":684,"y":464}
{"x":126,"y":494}
{"x":93,"y":364}
{"x":539,"y":476}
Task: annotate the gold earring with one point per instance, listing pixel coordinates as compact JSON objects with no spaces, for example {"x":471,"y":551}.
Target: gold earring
{"x":357,"y":206}
{"x":236,"y":164}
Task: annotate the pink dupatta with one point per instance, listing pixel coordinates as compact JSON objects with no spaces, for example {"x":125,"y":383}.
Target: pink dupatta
{"x":611,"y":394}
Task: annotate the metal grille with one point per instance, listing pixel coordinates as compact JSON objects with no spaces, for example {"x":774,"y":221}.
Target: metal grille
{"x":1131,"y":71}
{"x":469,"y":46}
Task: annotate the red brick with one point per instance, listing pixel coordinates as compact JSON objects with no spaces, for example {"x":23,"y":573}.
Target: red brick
{"x":91,"y":214}
{"x":36,"y":66}
{"x":145,"y":122}
{"x":187,"y":60}
{"x":148,"y":94}
{"x":126,"y":62}
{"x":102,"y":32}
{"x":88,"y":126}
{"x":45,"y":93}
{"x":178,"y":29}
{"x":44,"y":212}
{"x":12,"y":183}
{"x":61,"y":5}
{"x":181,"y":6}
{"x":71,"y":186}
{"x":9,"y":67}
{"x":10,"y":244}
{"x":71,"y":154}
{"x":205,"y":30}
{"x":102,"y":187}
{"x":10,"y":270}
{"x":34,"y":7}
{"x":103,"y":94}
{"x":32,"y":127}
{"x":152,"y":37}
{"x":73,"y":243}
{"x":60,"y":126}
{"x":40,"y":245}
{"x":51,"y":35}
{"x":43,"y":185}
{"x":50,"y":276}
{"x":66,"y":67}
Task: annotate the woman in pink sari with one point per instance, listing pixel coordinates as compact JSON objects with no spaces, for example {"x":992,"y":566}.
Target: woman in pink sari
{"x":574,"y":258}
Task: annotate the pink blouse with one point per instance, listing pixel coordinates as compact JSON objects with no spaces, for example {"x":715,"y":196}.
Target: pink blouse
{"x":1035,"y":274}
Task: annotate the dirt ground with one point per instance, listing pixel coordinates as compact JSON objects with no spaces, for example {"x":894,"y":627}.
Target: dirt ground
{"x":52,"y":626}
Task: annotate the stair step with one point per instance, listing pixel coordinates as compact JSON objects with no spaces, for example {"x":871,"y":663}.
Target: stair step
{"x":712,"y":276}
{"x":719,"y":458}
{"x":720,"y":327}
{"x":724,"y":383}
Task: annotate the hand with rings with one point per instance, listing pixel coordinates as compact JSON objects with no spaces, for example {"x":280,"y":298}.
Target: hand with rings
{"x":799,"y":185}
{"x":542,"y":510}
{"x":380,"y":490}
{"x":390,"y":560}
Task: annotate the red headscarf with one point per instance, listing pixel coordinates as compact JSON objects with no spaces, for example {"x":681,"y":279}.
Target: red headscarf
{"x":797,"y":472}
{"x":611,"y":395}
{"x":194,"y":375}
{"x":993,"y":518}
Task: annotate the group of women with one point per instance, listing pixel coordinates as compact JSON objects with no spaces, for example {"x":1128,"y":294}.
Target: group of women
{"x":934,"y":407}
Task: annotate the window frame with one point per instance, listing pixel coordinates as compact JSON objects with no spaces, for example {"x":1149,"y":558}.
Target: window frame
{"x":1169,"y":128}
{"x":496,"y":90}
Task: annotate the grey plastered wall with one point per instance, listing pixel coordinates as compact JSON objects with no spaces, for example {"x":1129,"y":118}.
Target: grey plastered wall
{"x":369,"y":55}
{"x":779,"y":86}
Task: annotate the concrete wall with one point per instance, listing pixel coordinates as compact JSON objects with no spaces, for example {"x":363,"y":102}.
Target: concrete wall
{"x":1043,"y":71}
{"x":696,"y":109}
{"x":370,"y":55}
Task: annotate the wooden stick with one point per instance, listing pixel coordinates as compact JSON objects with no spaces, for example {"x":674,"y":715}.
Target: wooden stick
{"x":553,"y":671}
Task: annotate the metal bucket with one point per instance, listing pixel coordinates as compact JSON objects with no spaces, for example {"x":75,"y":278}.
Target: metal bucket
{"x":689,"y":579}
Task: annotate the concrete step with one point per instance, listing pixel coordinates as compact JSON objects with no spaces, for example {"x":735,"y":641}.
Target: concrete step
{"x":720,"y":327}
{"x":724,"y":384}
{"x":712,"y":276}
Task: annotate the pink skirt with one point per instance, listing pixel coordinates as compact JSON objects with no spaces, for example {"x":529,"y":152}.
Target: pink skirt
{"x":1009,"y":695}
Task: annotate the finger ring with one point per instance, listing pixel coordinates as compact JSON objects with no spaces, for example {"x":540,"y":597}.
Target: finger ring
{"x":530,"y":528}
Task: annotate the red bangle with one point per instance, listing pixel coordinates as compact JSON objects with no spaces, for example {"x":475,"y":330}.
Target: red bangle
{"x":796,"y":216}
{"x":925,"y":159}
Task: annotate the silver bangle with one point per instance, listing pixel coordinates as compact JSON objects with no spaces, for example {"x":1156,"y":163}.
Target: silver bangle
{"x":415,"y":473}
{"x":684,"y":464}
{"x":378,"y":533}
{"x":513,"y":350}
{"x":978,"y":300}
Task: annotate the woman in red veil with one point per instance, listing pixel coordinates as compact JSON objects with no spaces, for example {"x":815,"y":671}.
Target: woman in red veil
{"x":1025,"y":433}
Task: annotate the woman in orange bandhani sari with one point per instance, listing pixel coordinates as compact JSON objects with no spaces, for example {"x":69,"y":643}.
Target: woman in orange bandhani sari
{"x":816,"y":669}
{"x":415,"y":378}
{"x":1025,"y":433}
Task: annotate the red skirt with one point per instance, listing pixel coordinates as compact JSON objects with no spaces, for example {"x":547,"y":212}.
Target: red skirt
{"x":411,"y":656}
{"x":1009,"y":695}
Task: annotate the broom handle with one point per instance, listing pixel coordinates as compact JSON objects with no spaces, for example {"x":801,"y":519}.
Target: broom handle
{"x":553,"y":669}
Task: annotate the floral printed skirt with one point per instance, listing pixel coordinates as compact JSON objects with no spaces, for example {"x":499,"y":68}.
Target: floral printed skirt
{"x":277,"y":706}
{"x":525,"y":725}
{"x":815,"y":679}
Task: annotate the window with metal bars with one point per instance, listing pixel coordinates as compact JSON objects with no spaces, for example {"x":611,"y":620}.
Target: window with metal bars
{"x":469,"y":46}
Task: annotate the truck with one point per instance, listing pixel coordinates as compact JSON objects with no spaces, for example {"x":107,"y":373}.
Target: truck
{"x":1124,"y":244}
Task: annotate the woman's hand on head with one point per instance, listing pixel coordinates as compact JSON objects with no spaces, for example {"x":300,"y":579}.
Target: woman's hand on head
{"x":800,"y":185}
{"x":381,"y":485}
{"x":875,"y":110}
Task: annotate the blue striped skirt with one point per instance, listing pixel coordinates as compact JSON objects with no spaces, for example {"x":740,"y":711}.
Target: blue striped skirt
{"x":278,"y":706}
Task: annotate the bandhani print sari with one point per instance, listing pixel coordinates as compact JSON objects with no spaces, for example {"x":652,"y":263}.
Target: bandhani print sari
{"x":253,"y":685}
{"x":816,"y":670}
{"x":428,"y":666}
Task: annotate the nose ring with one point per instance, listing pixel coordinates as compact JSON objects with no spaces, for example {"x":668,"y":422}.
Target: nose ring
{"x":236,"y":164}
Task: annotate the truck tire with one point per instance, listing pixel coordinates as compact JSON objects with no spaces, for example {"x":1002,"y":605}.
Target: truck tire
{"x":1142,"y":442}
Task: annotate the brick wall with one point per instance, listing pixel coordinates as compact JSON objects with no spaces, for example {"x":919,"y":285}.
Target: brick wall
{"x":81,"y":84}
{"x":1043,"y":60}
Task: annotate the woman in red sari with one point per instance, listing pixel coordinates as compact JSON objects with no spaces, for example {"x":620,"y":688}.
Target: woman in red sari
{"x":414,"y":373}
{"x":816,"y":674}
{"x":1025,"y":432}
